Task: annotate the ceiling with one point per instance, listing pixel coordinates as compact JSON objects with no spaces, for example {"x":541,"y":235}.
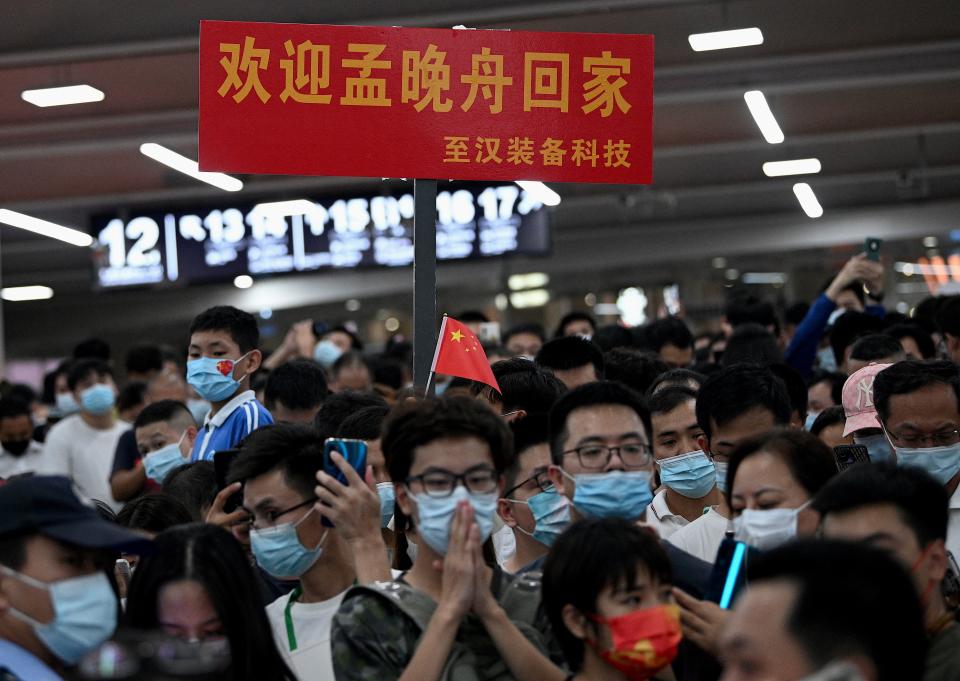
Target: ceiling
{"x":870,"y":87}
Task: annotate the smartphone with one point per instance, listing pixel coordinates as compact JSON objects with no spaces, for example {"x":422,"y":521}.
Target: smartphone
{"x":950,"y":585}
{"x":872,"y":248}
{"x":221,"y":466}
{"x":353,"y":451}
{"x":729,"y":574}
{"x":848,"y":455}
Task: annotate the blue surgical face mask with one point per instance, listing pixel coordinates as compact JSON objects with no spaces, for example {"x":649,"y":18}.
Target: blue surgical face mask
{"x":84,"y":614}
{"x":551,"y":515}
{"x":721,"y":467}
{"x":877,"y":446}
{"x":613,"y":494}
{"x":826,"y":359}
{"x":212,"y":378}
{"x":387,"y":494}
{"x":278,"y":549}
{"x":435,"y":516}
{"x":159,"y":464}
{"x":67,"y":404}
{"x":940,"y":462}
{"x":692,"y":475}
{"x":326,"y":353}
{"x":811,"y":418}
{"x":98,"y":399}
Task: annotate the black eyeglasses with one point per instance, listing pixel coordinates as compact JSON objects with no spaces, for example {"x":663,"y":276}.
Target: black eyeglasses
{"x":539,"y":478}
{"x":273,"y":516}
{"x":595,"y":457}
{"x":440,"y":483}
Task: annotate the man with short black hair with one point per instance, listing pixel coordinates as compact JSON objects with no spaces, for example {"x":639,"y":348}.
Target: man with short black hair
{"x":525,"y":389}
{"x":82,"y":446}
{"x":904,"y":512}
{"x":918,"y":404}
{"x":530,"y":505}
{"x":813,"y":604}
{"x":574,"y":360}
{"x":337,"y":407}
{"x":351,"y":372}
{"x":295,"y":390}
{"x":576,"y":324}
{"x":687,"y":475}
{"x":874,"y":348}
{"x":671,"y":339}
{"x":635,"y":369}
{"x":915,"y":342}
{"x":733,"y":405}
{"x":278,"y":466}
{"x":524,"y":340}
{"x":21,"y":453}
{"x":56,"y":602}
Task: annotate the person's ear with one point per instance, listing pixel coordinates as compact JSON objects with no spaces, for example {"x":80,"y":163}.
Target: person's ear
{"x":192,"y":432}
{"x":808,"y":522}
{"x":556,"y":477}
{"x":254,"y":360}
{"x":505,"y":511}
{"x":703,"y":443}
{"x":575,"y":622}
{"x":515,"y":416}
{"x":937,"y":560}
{"x":403,"y":500}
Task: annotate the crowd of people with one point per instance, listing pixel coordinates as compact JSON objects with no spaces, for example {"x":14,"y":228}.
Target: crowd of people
{"x":774,"y":501}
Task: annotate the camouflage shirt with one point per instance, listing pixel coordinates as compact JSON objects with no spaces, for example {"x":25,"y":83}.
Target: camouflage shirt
{"x":376,"y":631}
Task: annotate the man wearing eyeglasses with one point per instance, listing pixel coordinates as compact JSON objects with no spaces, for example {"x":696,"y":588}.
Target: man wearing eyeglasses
{"x":919,"y":408}
{"x":602,"y":462}
{"x":278,"y":466}
{"x":530,"y":506}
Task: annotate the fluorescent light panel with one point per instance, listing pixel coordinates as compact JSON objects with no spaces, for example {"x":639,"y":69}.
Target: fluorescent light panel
{"x":540,"y":192}
{"x":808,"y":200}
{"x":44,"y":228}
{"x":61,"y":96}
{"x":800,"y":166}
{"x":724,"y":40}
{"x":761,"y":113}
{"x":180,"y":163}
{"x":18,"y":294}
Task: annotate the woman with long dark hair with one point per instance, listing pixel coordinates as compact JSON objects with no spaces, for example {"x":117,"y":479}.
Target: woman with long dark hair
{"x":199,"y":586}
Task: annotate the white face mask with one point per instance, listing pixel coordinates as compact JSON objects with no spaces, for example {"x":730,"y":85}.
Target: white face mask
{"x":767,"y":529}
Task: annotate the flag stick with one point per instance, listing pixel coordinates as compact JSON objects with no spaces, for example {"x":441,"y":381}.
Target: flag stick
{"x":436,"y":353}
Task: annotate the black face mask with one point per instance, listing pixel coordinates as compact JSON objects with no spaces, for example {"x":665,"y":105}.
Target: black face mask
{"x":16,"y":447}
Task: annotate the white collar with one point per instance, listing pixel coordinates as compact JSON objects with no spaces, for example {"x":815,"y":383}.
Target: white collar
{"x":660,"y":507}
{"x":239,"y":399}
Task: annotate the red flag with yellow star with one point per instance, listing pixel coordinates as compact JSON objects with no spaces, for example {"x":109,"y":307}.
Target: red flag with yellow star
{"x":459,"y":353}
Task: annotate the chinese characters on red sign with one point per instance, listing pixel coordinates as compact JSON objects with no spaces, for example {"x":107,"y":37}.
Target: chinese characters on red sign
{"x":430,"y":103}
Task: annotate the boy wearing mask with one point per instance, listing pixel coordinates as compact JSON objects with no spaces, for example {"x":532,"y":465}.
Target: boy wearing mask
{"x":222,"y":357}
{"x":81,"y":446}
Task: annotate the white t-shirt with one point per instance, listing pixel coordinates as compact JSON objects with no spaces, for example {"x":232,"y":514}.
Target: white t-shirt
{"x":31,"y":461}
{"x":660,"y":518}
{"x":85,"y":455}
{"x":311,"y":628}
{"x":702,"y":537}
{"x":953,"y":528}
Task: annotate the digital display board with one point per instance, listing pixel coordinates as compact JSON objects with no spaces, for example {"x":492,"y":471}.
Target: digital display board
{"x":219,"y":243}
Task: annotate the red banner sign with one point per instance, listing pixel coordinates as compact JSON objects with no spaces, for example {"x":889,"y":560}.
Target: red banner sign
{"x":302,"y":99}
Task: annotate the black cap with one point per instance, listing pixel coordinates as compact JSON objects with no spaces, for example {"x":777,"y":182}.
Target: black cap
{"x":49,"y":505}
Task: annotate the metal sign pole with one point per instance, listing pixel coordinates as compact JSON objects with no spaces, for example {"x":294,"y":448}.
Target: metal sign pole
{"x":424,"y":280}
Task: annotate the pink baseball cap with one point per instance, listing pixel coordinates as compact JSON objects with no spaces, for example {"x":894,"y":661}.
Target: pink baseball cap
{"x":858,"y":399}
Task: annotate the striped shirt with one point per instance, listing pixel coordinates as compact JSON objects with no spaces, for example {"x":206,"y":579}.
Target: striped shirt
{"x":228,"y":427}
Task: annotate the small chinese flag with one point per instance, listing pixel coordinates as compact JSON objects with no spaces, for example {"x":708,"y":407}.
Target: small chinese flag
{"x":459,"y":353}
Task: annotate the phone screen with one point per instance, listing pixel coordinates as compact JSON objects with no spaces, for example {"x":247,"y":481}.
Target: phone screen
{"x":729,"y":574}
{"x":872,"y":248}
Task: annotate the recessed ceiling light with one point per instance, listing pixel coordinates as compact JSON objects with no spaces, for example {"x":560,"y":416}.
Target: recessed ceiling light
{"x":724,"y":40}
{"x":764,"y":118}
{"x":800,"y":166}
{"x":61,"y":96}
{"x":180,"y":163}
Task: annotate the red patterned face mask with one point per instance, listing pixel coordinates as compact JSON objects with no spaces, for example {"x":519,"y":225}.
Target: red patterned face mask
{"x":644,"y":641}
